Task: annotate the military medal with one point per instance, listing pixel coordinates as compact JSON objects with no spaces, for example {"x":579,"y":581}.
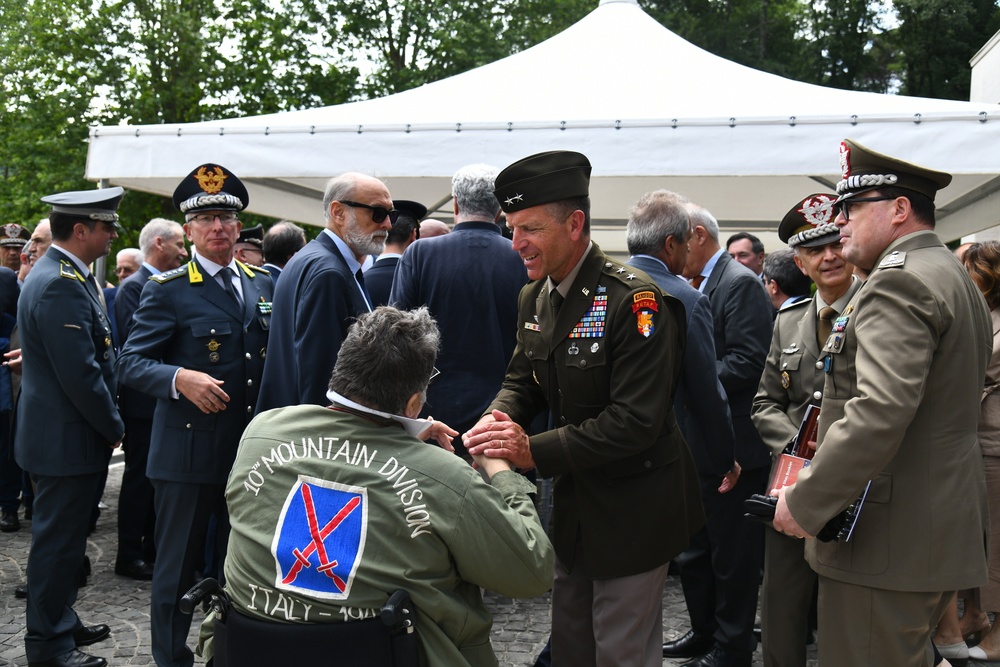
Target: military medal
{"x":212,"y":346}
{"x":573,"y":349}
{"x":786,"y":380}
{"x":594,"y":348}
{"x":591,"y":325}
{"x":264,"y":307}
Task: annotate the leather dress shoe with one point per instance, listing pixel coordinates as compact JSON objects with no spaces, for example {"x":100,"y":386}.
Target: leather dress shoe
{"x":9,"y":522}
{"x":73,"y":658}
{"x":91,"y":634}
{"x":688,"y":646}
{"x":21,"y":592}
{"x":137,"y":569}
{"x":720,"y":657}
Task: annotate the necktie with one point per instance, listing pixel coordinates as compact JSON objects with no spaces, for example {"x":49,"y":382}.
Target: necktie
{"x":697,"y":281}
{"x":826,"y":315}
{"x":364,"y":290}
{"x":227,"y":281}
{"x":557,"y":301}
{"x":92,"y":279}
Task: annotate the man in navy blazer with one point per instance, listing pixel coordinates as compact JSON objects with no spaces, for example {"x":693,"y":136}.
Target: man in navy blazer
{"x":405,"y":231}
{"x":162,"y":244}
{"x":720,"y":572}
{"x":322,"y":291}
{"x":657,"y":234}
{"x":197,"y":344}
{"x":68,"y":395}
{"x":469,"y":280}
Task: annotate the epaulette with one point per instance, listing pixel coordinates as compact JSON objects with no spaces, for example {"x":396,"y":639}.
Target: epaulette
{"x":625,"y":274}
{"x":67,"y":270}
{"x":250,"y":268}
{"x":794,"y":305}
{"x":169,"y":275}
{"x":893,"y":260}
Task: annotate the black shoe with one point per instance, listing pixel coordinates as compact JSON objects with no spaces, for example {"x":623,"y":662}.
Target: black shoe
{"x":137,"y":569}
{"x":91,"y":634}
{"x":720,"y":657}
{"x":9,"y":522}
{"x":688,"y":646}
{"x":758,"y":635}
{"x":72,"y":659}
{"x":21,"y":592}
{"x":27,"y":512}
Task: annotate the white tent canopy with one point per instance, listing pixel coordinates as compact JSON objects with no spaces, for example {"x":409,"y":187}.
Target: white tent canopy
{"x":649,"y":109}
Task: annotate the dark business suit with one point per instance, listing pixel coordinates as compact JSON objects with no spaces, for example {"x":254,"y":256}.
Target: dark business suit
{"x":469,"y":280}
{"x":315,"y":305}
{"x":67,"y":395}
{"x":720,"y":572}
{"x":10,"y":473}
{"x":701,"y":405}
{"x":274,"y":271}
{"x":187,"y":320}
{"x":136,"y":515}
{"x":378,"y":280}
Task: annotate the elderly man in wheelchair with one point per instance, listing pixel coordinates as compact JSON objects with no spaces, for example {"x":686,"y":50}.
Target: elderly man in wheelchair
{"x":355,"y":543}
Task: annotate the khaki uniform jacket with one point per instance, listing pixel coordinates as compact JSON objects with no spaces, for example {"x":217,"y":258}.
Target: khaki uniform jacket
{"x":906,"y":360}
{"x":424,"y":522}
{"x":624,"y":477}
{"x":793,"y":374}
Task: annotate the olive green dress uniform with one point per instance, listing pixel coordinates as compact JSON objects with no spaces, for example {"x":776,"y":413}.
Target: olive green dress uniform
{"x":900,"y":407}
{"x":793,"y":380}
{"x":432,"y":527}
{"x":624,"y":483}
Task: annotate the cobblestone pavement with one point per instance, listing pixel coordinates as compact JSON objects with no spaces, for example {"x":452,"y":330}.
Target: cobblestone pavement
{"x":520,"y":628}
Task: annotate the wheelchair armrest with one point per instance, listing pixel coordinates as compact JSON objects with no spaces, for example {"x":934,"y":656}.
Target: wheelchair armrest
{"x":397,"y":613}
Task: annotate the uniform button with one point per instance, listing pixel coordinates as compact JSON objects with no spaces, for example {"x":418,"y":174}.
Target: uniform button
{"x":249,"y":409}
{"x":583,"y":362}
{"x":188,"y":425}
{"x":248,"y":356}
{"x":212,"y":330}
{"x":819,"y":364}
{"x":648,"y":464}
{"x":818,"y":395}
{"x":530,"y":354}
{"x":784,"y":365}
{"x":246,"y":331}
{"x":562,"y":420}
{"x":249,"y":383}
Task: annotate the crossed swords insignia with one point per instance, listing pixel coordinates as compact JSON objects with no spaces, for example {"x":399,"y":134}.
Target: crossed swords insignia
{"x":317,"y":544}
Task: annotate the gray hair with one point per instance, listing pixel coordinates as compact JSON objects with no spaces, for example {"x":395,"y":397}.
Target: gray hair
{"x":387,"y":357}
{"x":157,"y":228}
{"x":472,"y":187}
{"x":134,"y":253}
{"x":338,"y":188}
{"x":657,"y":216}
{"x":701,"y":216}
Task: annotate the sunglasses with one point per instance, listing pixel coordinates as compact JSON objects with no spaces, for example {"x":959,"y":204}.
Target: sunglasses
{"x":845,"y":206}
{"x":379,"y":213}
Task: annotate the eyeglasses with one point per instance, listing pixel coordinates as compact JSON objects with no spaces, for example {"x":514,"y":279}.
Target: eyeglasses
{"x":844,"y":206}
{"x":434,"y":373}
{"x":209,"y":218}
{"x":379,"y":213}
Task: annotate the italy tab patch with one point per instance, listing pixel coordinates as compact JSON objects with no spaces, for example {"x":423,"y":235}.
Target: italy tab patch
{"x":320,"y":538}
{"x":644,"y":306}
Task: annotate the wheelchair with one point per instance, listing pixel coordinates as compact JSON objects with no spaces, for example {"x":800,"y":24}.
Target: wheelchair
{"x":241,"y":641}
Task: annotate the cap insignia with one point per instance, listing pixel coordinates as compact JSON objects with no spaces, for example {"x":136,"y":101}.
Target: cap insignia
{"x":211,"y":181}
{"x":514,"y":198}
{"x":12,"y":231}
{"x":817,"y":210}
{"x":845,"y":159}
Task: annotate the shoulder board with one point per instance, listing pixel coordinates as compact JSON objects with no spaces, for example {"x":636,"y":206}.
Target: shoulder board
{"x":67,"y":270}
{"x":794,"y":305}
{"x":893,"y":260}
{"x":169,"y":275}
{"x":628,"y":275}
{"x":250,"y":268}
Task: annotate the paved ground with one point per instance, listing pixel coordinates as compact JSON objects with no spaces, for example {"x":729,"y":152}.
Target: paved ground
{"x":519,"y":632}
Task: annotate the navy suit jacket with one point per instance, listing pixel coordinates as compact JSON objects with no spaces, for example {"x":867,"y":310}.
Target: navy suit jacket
{"x":700,"y":402}
{"x":314,"y":306}
{"x":469,"y":280}
{"x":378,"y":280}
{"x":274,"y":270}
{"x":187,"y":320}
{"x":743,"y":326}
{"x":134,"y":404}
{"x":68,"y":388}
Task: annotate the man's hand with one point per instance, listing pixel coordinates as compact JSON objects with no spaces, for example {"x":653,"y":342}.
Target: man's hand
{"x":119,"y":443}
{"x":730,"y":478}
{"x":203,"y":390}
{"x":784,"y":522}
{"x":13,"y":360}
{"x":496,"y":436}
{"x":492,"y":466}
{"x":440,"y":432}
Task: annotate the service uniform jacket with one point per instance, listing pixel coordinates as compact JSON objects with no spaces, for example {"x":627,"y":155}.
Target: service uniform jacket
{"x":624,"y":478}
{"x":469,"y":280}
{"x":314,"y":306}
{"x":743,"y":320}
{"x":906,"y":363}
{"x":701,"y":405}
{"x":378,"y":280}
{"x":68,"y":387}
{"x":186,"y":319}
{"x":419,"y":519}
{"x":134,"y":404}
{"x":793,"y":375}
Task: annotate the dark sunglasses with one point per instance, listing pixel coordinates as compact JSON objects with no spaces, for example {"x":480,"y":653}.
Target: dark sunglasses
{"x":379,"y":213}
{"x":845,"y":206}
